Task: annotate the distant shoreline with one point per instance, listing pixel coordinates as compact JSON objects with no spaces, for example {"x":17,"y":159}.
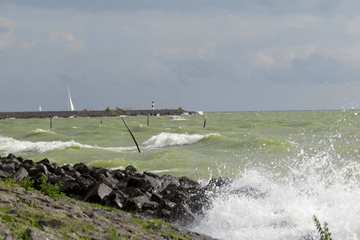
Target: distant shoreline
{"x":92,"y":113}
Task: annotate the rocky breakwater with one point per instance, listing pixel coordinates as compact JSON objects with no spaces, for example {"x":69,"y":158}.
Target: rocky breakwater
{"x":175,"y":200}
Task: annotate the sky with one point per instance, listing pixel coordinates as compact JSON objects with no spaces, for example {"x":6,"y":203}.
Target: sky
{"x":201,"y":55}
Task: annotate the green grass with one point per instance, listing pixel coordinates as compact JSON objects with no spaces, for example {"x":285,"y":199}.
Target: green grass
{"x":91,"y":228}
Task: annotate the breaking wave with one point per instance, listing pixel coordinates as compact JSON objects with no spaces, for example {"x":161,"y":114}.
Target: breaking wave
{"x":10,"y":145}
{"x":175,"y":139}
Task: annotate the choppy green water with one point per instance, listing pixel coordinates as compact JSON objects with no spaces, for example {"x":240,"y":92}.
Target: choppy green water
{"x":304,"y":163}
{"x":180,"y":145}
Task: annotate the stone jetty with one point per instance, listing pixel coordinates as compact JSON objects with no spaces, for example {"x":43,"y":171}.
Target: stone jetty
{"x":179,"y":201}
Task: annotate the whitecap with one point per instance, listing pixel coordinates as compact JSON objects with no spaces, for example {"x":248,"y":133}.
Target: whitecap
{"x":175,"y":139}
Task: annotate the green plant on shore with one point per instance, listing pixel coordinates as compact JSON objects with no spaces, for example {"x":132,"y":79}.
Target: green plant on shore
{"x":50,"y":190}
{"x":27,"y":183}
{"x":9,"y":182}
{"x":323,"y":231}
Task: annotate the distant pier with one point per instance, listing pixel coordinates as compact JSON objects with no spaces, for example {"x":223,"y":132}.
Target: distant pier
{"x":93,"y":113}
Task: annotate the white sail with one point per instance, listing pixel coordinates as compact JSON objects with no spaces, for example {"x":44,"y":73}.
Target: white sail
{"x":71,"y":104}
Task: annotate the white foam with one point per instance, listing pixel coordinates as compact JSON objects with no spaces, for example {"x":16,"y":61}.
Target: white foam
{"x":174,"y":139}
{"x":10,"y":145}
{"x":39,"y":130}
{"x":314,"y":186}
{"x":178,"y":118}
{"x":200,"y":112}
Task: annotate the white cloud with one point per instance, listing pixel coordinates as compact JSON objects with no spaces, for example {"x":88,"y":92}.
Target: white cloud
{"x":6,"y":39}
{"x":72,"y":43}
{"x":262,"y":60}
{"x":7,"y":23}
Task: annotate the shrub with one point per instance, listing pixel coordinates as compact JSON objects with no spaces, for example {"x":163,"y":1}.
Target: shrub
{"x":50,"y":190}
{"x":27,"y":183}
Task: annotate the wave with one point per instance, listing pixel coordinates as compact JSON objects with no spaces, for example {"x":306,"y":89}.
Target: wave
{"x":261,"y":204}
{"x":175,"y":139}
{"x":38,"y":131}
{"x":10,"y":145}
{"x":178,"y":118}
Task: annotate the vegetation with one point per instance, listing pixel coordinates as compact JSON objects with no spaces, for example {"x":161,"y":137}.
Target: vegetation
{"x":3,"y":117}
{"x":323,"y":231}
{"x":27,"y":183}
{"x":50,"y":189}
{"x":110,"y":111}
{"x":122,"y":111}
{"x":57,"y":217}
{"x":181,"y":110}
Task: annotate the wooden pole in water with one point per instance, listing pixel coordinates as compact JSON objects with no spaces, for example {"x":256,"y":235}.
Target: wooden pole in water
{"x":100,"y":120}
{"x":148,"y":116}
{"x":204,"y":121}
{"x":131,"y":135}
{"x":50,"y":122}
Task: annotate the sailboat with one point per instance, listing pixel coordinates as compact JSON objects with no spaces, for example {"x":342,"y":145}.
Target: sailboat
{"x":70,"y":102}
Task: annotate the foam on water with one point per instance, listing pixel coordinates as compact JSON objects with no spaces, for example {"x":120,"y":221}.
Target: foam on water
{"x":261,"y":204}
{"x":10,"y":145}
{"x":178,"y":118}
{"x":174,"y":139}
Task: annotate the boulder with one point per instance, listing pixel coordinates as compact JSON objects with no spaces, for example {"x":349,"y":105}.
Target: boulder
{"x":98,"y":193}
{"x":20,"y":174}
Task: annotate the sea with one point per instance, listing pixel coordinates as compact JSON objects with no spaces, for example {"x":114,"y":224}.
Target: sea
{"x":295,"y":164}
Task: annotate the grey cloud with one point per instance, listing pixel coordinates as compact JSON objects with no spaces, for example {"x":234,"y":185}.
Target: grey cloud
{"x":314,"y":69}
{"x":269,"y":6}
{"x":4,"y":29}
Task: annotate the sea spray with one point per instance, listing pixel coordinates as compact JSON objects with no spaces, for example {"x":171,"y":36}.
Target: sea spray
{"x":282,"y":207}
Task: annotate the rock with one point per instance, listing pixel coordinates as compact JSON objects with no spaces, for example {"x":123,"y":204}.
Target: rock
{"x":59,"y":171}
{"x":85,"y":183}
{"x":36,"y":171}
{"x":9,"y":167}
{"x":131,"y":170}
{"x":5,"y":232}
{"x":36,"y":234}
{"x":98,"y":193}
{"x":108,"y":180}
{"x":81,"y":168}
{"x":20,"y":174}
{"x":53,"y":223}
{"x":4,"y":174}
{"x":115,"y":199}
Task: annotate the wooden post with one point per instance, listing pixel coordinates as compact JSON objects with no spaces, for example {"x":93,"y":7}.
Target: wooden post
{"x":50,"y":122}
{"x":204,"y":121}
{"x":131,"y":135}
{"x":148,"y":116}
{"x":100,"y":120}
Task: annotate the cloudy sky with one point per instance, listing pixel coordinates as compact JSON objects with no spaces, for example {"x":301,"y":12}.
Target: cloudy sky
{"x":229,"y":55}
